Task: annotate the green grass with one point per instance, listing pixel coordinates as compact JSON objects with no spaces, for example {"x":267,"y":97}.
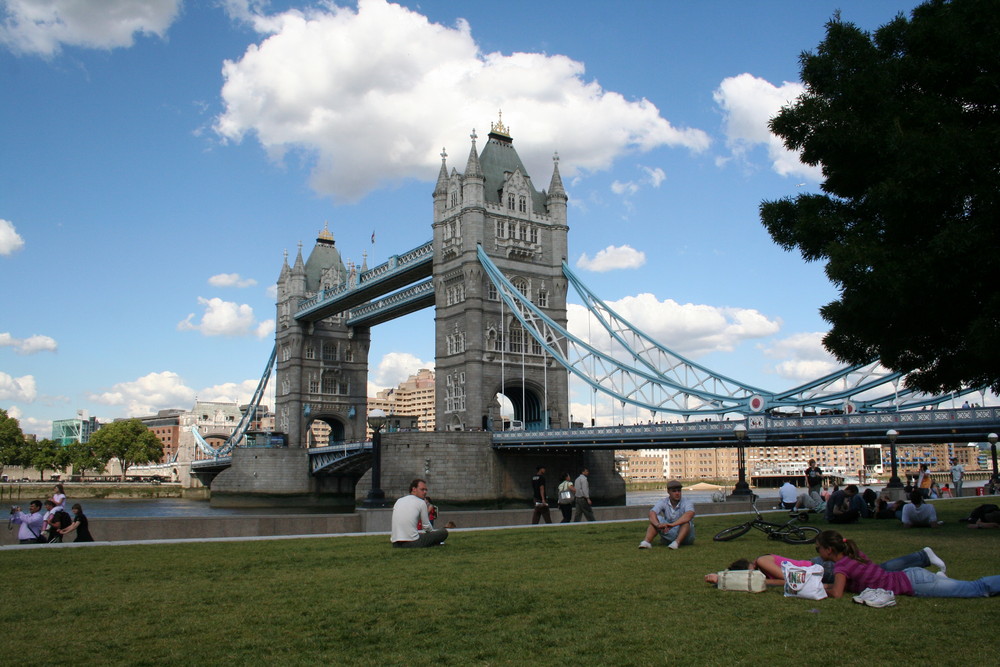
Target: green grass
{"x":581,"y":594}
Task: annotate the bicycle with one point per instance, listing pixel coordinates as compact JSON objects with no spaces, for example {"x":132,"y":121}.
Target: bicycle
{"x":790,"y":532}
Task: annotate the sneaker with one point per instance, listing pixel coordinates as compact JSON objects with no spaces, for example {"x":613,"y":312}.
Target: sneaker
{"x":935,"y":560}
{"x":673,"y":545}
{"x":881,"y":599}
{"x":866,"y":594}
{"x":645,"y":545}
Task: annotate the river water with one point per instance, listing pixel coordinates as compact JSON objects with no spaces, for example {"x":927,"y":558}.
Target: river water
{"x":173,"y":507}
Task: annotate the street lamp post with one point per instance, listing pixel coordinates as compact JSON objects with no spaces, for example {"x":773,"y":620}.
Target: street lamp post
{"x":992,"y":437}
{"x":742,"y":489}
{"x":376,"y":497}
{"x":894,"y":482}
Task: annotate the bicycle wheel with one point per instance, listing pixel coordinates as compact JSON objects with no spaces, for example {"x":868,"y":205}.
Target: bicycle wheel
{"x":732,"y":533}
{"x":799,"y":534}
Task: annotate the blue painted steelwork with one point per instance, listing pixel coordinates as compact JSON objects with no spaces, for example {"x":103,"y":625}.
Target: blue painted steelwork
{"x":399,"y":270}
{"x":395,"y":305}
{"x":640,"y":371}
{"x":244,"y":424}
{"x":913,"y":427}
{"x":336,"y":457}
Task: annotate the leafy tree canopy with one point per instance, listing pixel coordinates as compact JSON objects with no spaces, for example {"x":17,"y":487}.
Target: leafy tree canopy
{"x":11,"y":441}
{"x":128,"y":441}
{"x":905,"y":123}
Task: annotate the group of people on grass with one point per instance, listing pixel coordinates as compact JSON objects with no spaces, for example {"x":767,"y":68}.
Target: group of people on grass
{"x":53,"y":524}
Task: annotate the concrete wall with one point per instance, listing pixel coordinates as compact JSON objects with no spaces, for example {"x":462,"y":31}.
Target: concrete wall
{"x":461,"y":467}
{"x":371,"y":521}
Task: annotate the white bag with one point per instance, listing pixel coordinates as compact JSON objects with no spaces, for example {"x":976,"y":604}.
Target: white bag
{"x":748,"y":581}
{"x":565,"y":497}
{"x":803,"y":582}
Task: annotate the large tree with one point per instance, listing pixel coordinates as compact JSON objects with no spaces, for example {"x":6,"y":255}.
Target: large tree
{"x":905,"y":124}
{"x":128,"y":441}
{"x":83,"y":458}
{"x":11,"y":441}
{"x":45,"y":455}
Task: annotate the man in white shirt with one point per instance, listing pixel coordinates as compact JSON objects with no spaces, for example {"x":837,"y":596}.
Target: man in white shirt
{"x":30,"y":531}
{"x":584,"y":506}
{"x":789,"y":494}
{"x":957,"y":477}
{"x":411,"y":525}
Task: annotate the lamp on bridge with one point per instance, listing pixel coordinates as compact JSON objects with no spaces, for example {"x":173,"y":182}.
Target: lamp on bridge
{"x":894,"y":482}
{"x":741,"y":488}
{"x":992,"y":437}
{"x":376,"y":497}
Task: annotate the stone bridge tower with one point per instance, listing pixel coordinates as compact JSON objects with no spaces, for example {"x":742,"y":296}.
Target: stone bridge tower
{"x":480,"y":348}
{"x":322,"y":367}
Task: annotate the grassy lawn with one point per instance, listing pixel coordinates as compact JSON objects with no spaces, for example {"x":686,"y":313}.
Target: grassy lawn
{"x":581,"y":594}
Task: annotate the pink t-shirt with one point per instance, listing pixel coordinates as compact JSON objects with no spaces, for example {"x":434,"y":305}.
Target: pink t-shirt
{"x":869,"y":575}
{"x":778,"y":560}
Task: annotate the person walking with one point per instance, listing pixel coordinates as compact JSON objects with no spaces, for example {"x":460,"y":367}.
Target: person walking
{"x":584,"y":506}
{"x":567,"y":493}
{"x":80,"y":524}
{"x":538,"y":495}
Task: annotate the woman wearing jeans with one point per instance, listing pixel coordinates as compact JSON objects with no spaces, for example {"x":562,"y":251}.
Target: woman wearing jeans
{"x":855,"y":573}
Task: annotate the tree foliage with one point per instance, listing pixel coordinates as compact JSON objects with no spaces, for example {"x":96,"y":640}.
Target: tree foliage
{"x":45,"y":455}
{"x":11,"y":441}
{"x":83,"y":457}
{"x":128,"y":441}
{"x":905,"y":123}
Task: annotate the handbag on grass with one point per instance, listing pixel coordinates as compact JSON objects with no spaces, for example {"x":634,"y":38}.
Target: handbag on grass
{"x":803,"y":582}
{"x":747,"y":581}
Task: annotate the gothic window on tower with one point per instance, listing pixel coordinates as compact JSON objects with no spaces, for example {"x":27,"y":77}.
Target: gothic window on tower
{"x":329,"y":352}
{"x":454,"y":199}
{"x":543,"y":298}
{"x":500,"y":229}
{"x":522,"y":204}
{"x":534,"y":235}
{"x":510,"y":201}
{"x":491,"y":291}
{"x":516,"y":338}
{"x":286,"y":353}
{"x":521,"y":285}
{"x":313,"y":386}
{"x":329,"y":384}
{"x":348,"y":352}
{"x":310,"y":352}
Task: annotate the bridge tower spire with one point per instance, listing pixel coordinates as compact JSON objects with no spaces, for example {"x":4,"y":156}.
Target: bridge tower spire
{"x":480,"y":349}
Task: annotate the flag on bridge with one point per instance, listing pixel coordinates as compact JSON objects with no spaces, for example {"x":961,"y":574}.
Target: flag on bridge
{"x":373,"y":238}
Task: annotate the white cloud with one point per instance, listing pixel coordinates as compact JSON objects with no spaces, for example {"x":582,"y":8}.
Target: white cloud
{"x":230,"y":392}
{"x":626,"y":188}
{"x":146,"y":395}
{"x":330,"y":82}
{"x":230,"y":280}
{"x":692,"y":330}
{"x":226,"y":318}
{"x":43,"y":27}
{"x":394,"y":368}
{"x":802,"y":357}
{"x":612,"y":258}
{"x":655,"y":176}
{"x":10,"y":240}
{"x":748,"y":103}
{"x":17,"y":389}
{"x":29,"y":345}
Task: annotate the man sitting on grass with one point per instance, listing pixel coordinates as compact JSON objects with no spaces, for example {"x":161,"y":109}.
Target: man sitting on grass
{"x":411,"y":525}
{"x":672,"y":518}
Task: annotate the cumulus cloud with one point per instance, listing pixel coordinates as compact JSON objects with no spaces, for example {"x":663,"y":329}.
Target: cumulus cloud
{"x":748,"y":103}
{"x":692,"y":330}
{"x":612,"y":258}
{"x":230,"y":280}
{"x":158,"y":391}
{"x":17,"y":389}
{"x":331,"y":81}
{"x":43,"y":27}
{"x":29,"y":345}
{"x":229,"y":392}
{"x":394,"y":368}
{"x":802,"y":357}
{"x":10,"y":240}
{"x":226,"y":318}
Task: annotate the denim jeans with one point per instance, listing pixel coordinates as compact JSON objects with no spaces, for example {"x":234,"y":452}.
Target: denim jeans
{"x":671,"y":535}
{"x":916,"y":559}
{"x":929,"y":585}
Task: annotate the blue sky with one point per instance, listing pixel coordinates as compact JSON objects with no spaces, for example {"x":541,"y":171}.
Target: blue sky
{"x":160,"y":157}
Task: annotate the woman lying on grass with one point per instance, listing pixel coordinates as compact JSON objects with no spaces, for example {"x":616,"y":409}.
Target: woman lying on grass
{"x":770,"y":565}
{"x":854,"y":572}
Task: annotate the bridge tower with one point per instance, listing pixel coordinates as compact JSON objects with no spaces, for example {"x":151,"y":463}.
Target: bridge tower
{"x":480,"y":348}
{"x":322,"y":367}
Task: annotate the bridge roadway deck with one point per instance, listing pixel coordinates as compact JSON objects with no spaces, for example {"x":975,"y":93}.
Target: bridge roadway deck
{"x":914,"y":427}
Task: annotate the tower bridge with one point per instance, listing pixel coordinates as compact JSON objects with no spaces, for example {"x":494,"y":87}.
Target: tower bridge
{"x":496,"y":273}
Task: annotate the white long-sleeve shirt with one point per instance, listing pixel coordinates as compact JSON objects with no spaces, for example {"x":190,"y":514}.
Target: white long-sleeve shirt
{"x":405,"y":514}
{"x":30,"y":524}
{"x":582,"y":485}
